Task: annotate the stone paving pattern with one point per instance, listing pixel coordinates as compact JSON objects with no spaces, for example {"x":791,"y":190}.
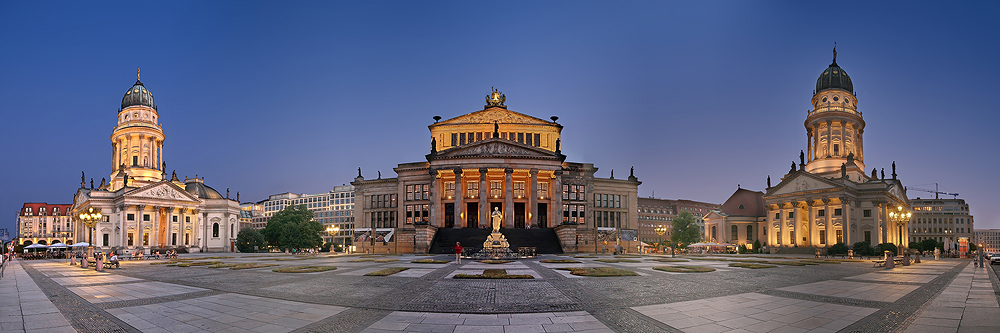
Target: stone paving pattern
{"x":851,"y":296}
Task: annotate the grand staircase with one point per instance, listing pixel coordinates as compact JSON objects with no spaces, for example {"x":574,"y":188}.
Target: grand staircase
{"x":544,"y":240}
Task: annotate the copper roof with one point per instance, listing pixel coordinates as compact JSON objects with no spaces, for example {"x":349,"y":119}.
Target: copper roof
{"x":745,"y":203}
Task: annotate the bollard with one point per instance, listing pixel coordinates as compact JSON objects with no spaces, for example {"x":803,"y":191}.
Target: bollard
{"x":72,"y":260}
{"x":99,"y":265}
{"x":916,"y":260}
{"x":83,"y":263}
{"x":890,"y":260}
{"x":906,"y":259}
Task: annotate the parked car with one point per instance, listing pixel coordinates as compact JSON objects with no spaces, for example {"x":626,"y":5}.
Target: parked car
{"x":995,"y":259}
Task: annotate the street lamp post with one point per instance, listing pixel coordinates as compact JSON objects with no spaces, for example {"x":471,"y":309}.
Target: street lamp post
{"x":660,"y":230}
{"x":899,"y":217}
{"x":332,"y":230}
{"x":90,"y":219}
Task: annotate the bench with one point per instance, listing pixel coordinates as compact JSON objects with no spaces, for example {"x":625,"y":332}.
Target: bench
{"x":108,"y":264}
{"x":881,"y":263}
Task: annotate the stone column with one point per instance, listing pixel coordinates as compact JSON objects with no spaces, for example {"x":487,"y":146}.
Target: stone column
{"x":508,"y":194}
{"x":533,"y":197}
{"x":878,"y":222}
{"x":556,"y":194}
{"x":225,"y":231}
{"x":812,"y":229}
{"x":809,"y":145}
{"x":861,"y":147}
{"x":138,"y":224}
{"x":204,"y":232}
{"x":484,"y":209}
{"x":829,"y":138}
{"x":845,"y":223}
{"x":459,"y":223}
{"x":436,"y":219}
{"x":828,"y":225}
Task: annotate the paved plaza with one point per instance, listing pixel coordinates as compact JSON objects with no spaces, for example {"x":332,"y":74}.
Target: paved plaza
{"x":829,"y":296}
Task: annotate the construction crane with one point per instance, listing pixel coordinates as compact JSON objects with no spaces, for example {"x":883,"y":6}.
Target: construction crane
{"x":935,"y":191}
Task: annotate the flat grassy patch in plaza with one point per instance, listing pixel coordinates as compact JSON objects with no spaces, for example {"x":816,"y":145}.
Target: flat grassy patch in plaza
{"x":669,"y":260}
{"x":617,"y":260}
{"x":820,"y":261}
{"x":495,"y":262}
{"x":373,"y":260}
{"x":387,"y":271}
{"x":222,"y":266}
{"x":791,"y":263}
{"x":627,"y":256}
{"x":586,"y":257}
{"x":750,"y":265}
{"x":285,"y":259}
{"x":251,"y":265}
{"x":172,"y":262}
{"x":493,"y":274}
{"x":685,"y":269}
{"x":198,"y":263}
{"x":206,"y":258}
{"x":373,"y":256}
{"x":430,"y":261}
{"x":304,"y":269}
{"x":560,"y":261}
{"x":599,"y":271}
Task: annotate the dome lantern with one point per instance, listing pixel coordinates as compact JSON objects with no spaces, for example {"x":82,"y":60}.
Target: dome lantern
{"x":138,"y":95}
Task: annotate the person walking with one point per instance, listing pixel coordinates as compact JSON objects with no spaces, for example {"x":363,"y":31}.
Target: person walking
{"x":458,"y":253}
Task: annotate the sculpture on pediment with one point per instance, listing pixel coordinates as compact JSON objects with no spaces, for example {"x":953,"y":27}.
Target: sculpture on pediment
{"x":102,"y":182}
{"x":434,"y":144}
{"x":893,"y":169}
{"x":83,"y":179}
{"x":769,"y":181}
{"x":802,"y":158}
{"x":843,"y":170}
{"x":558,"y":143}
{"x":496,"y":98}
{"x":793,"y":167}
{"x":92,"y":183}
{"x":850,"y":158}
{"x":874,"y":176}
{"x":883,"y":173}
{"x":496,"y":129}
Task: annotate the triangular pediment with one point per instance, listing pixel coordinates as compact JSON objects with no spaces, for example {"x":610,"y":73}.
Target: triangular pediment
{"x":165,"y":190}
{"x":714,"y":215}
{"x":802,"y":182}
{"x":494,"y":148}
{"x":495,"y":114}
{"x":80,"y":198}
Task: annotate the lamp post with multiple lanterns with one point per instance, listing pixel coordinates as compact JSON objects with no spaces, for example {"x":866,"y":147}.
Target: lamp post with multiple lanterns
{"x":660,"y":230}
{"x":899,"y":217}
{"x":332,"y":230}
{"x":90,"y":219}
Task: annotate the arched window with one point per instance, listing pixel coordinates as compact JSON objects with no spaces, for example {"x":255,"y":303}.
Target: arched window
{"x":215,"y":230}
{"x":736,"y":231}
{"x":714,"y":233}
{"x":749,"y":232}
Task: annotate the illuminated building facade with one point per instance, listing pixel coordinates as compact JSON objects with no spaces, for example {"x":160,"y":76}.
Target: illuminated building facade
{"x":990,"y":238}
{"x":42,"y":223}
{"x":946,"y":220}
{"x":142,"y":208}
{"x":495,"y":160}
{"x":335,"y":207}
{"x":654,"y":212}
{"x":828,"y":198}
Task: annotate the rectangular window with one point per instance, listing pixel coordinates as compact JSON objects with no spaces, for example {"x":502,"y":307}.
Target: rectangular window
{"x":175,"y":218}
{"x":512,"y":136}
{"x":543,"y":190}
{"x":840,"y":236}
{"x":454,"y":139}
{"x":173,"y":238}
{"x":409,"y":214}
{"x":838,"y":212}
{"x":503,"y":135}
{"x":187,"y":219}
{"x":538,"y":140}
{"x":868,"y":236}
{"x":821,"y":212}
{"x":425,"y":192}
{"x":131,"y":239}
{"x":519,"y":189}
{"x":496,"y":187}
{"x":527,"y":139}
{"x":472,"y":189}
{"x":822,"y":237}
{"x":461,"y":138}
{"x":472,"y":137}
{"x":106,"y":239}
{"x":597,"y":200}
{"x":145,"y":238}
{"x":130,"y":217}
{"x":618,"y":201}
{"x":867,"y":213}
{"x":424,"y":215}
{"x":777,"y":216}
{"x":479,"y":136}
{"x":520,"y":137}
{"x":791,"y":215}
{"x":449,"y":189}
{"x":409,"y":192}
{"x":145,"y":217}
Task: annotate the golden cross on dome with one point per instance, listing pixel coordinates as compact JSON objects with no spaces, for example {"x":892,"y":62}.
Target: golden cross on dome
{"x":137,"y":72}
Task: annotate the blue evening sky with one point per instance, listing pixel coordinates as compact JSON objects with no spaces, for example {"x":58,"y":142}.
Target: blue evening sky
{"x":293,"y":96}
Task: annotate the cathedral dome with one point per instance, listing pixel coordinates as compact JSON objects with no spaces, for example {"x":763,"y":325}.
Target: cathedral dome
{"x":201,"y":190}
{"x":138,"y":95}
{"x":834,"y":77}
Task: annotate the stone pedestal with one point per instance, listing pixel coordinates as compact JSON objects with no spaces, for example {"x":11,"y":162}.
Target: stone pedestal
{"x":916,"y":259}
{"x":496,"y":240}
{"x":72,"y":260}
{"x":83,"y":263}
{"x":890,"y":260}
{"x":99,"y":265}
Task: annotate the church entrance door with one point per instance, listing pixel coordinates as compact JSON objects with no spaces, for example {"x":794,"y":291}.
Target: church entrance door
{"x":543,"y":215}
{"x":472,"y":215}
{"x":449,"y":215}
{"x":519,"y":215}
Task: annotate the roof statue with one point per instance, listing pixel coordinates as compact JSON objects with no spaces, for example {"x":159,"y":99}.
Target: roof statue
{"x":850,"y":158}
{"x":873,"y":174}
{"x":83,"y":180}
{"x":883,"y":173}
{"x":802,"y":159}
{"x":612,"y":173}
{"x":496,"y":98}
{"x":893,"y":169}
{"x":102,"y":182}
{"x":434,"y":144}
{"x":173,"y":176}
{"x":558,"y":142}
{"x":769,"y":181}
{"x":793,"y":167}
{"x":227,"y":193}
{"x":835,"y":53}
{"x":380,"y":174}
{"x":163,"y":166}
{"x":359,"y":172}
{"x":137,"y":74}
{"x":843,"y":170}
{"x":92,"y":183}
{"x":631,"y":174}
{"x":237,"y":196}
{"x":496,"y":129}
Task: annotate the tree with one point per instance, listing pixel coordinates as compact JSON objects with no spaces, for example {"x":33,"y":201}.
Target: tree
{"x":973,"y":247}
{"x":863,"y":249}
{"x":685,"y":231}
{"x":839,"y":248}
{"x":881,"y":248}
{"x":757,"y":246}
{"x":250,"y":240}
{"x":293,"y":228}
{"x":930,"y":244}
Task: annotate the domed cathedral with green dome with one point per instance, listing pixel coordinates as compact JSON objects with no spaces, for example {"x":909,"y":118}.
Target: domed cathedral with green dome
{"x":826,"y":197}
{"x":143,"y":207}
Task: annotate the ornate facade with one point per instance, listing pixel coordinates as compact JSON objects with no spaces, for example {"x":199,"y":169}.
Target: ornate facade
{"x":494,"y":160}
{"x":42,"y":223}
{"x":141,"y":206}
{"x":828,"y":198}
